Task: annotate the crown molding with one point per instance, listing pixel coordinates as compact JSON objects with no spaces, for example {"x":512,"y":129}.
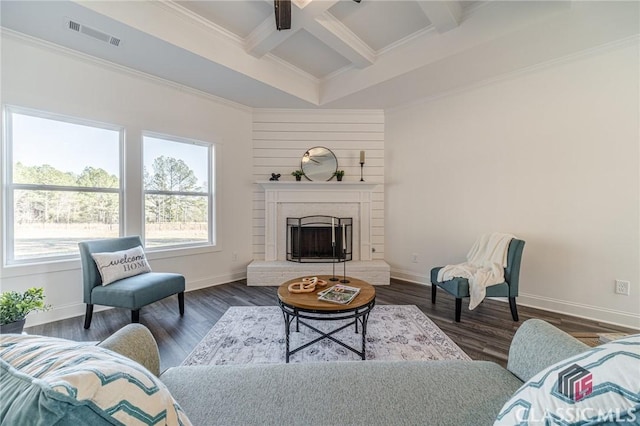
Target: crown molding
{"x":36,"y":42}
{"x":254,"y":40}
{"x":469,"y":11}
{"x":405,"y":40}
{"x":350,"y":45}
{"x":326,"y":111}
{"x":192,"y":17}
{"x":337,"y":72}
{"x":311,"y":78}
{"x":592,"y":51}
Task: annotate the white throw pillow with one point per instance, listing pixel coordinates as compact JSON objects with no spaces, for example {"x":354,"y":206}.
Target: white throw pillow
{"x":116,"y":265}
{"x":599,"y":386}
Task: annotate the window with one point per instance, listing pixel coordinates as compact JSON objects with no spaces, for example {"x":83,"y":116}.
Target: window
{"x":63,"y":184}
{"x":178,"y":192}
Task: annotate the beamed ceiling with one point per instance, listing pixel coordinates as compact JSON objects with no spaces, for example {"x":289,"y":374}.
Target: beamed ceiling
{"x":337,"y":54}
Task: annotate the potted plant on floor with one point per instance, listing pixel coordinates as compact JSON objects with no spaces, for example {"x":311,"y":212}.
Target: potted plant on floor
{"x":14,"y":307}
{"x":298,"y":174}
{"x":338,"y":174}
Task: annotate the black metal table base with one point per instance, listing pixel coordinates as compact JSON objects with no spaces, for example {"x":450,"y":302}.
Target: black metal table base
{"x":359,"y":315}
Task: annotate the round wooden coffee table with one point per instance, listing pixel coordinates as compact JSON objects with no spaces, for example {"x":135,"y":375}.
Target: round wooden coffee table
{"x":306,"y":306}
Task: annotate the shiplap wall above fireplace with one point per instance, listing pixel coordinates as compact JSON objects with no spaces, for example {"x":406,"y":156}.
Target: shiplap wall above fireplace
{"x":281,"y":137}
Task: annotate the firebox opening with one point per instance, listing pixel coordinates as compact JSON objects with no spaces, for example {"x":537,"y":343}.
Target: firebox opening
{"x":319,"y":239}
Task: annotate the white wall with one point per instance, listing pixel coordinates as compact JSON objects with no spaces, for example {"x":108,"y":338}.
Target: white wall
{"x":551,"y":155}
{"x":281,"y":137}
{"x":565,"y":139}
{"x":40,"y":76}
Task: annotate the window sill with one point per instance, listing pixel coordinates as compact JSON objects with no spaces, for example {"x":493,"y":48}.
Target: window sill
{"x":45,"y":267}
{"x":164,"y":253}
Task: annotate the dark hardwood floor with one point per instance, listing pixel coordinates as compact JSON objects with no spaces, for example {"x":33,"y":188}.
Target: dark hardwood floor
{"x":484,"y":333}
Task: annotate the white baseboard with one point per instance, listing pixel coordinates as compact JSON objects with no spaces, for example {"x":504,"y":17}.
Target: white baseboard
{"x":78,"y":309}
{"x":594,"y":313}
{"x":60,"y":312}
{"x":411,"y":277}
{"x":240,"y":274}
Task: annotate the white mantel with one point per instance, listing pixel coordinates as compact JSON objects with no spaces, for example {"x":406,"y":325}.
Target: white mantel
{"x":308,"y":185}
{"x":328,"y":194}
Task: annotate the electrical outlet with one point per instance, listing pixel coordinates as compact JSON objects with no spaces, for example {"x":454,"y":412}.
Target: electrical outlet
{"x":622,"y":287}
{"x":414,"y":258}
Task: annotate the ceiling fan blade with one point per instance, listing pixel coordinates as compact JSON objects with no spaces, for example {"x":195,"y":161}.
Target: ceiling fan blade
{"x":282,"y":9}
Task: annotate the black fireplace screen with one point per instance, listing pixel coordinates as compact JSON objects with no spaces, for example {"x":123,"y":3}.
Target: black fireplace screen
{"x":319,"y":239}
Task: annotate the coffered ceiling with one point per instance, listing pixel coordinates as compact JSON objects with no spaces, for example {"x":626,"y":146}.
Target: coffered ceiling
{"x":337,"y":54}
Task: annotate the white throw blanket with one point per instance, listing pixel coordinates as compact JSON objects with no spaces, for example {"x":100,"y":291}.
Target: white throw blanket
{"x":484,"y":266}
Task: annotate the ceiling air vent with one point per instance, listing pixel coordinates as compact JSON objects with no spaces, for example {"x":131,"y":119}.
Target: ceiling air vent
{"x":93,"y":33}
{"x":74,"y":26}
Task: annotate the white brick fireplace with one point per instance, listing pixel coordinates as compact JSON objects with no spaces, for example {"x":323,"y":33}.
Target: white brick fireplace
{"x":299,"y":199}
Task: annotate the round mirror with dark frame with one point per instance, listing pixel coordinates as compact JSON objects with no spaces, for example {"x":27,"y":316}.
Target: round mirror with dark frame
{"x":319,"y":164}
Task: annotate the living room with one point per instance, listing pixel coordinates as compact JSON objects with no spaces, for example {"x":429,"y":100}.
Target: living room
{"x":531,"y":130}
{"x":535,"y":120}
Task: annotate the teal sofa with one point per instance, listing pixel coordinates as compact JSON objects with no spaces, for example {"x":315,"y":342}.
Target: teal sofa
{"x":331,"y":393}
{"x":342,"y":393}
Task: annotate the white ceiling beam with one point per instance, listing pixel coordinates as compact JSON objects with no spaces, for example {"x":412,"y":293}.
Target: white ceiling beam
{"x":169,"y":25}
{"x":337,"y":36}
{"x":444,"y":15}
{"x":315,"y":19}
{"x":265,"y":38}
{"x":325,"y":27}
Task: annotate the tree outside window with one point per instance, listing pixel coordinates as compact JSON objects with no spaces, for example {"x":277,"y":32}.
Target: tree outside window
{"x":178,"y":192}
{"x":63,"y":184}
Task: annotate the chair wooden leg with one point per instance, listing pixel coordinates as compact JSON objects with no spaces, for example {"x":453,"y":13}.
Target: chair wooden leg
{"x":434,"y":288}
{"x":181,"y":302}
{"x":87,"y":316}
{"x":135,"y":315}
{"x":514,"y":308}
{"x":458,"y":308}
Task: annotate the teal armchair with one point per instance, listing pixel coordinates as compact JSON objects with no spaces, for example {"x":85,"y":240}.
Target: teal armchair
{"x":459,"y":287}
{"x":129,"y":293}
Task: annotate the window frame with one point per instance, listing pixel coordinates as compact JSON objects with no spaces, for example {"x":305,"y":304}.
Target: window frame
{"x":9,"y":187}
{"x":211,"y":193}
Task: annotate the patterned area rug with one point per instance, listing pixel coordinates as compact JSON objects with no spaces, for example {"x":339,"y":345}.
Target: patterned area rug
{"x":255,"y":334}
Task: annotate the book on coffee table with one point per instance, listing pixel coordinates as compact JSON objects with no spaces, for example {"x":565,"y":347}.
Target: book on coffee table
{"x":339,"y":293}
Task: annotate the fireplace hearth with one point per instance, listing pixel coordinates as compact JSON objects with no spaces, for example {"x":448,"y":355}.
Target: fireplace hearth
{"x":319,"y":239}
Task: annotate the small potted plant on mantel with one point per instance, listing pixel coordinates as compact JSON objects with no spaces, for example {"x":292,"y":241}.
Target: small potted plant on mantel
{"x":298,"y":174}
{"x":338,"y":174}
{"x":14,"y":307}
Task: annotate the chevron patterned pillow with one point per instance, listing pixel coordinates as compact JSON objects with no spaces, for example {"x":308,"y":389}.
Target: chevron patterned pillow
{"x":69,"y":382}
{"x":598,"y":386}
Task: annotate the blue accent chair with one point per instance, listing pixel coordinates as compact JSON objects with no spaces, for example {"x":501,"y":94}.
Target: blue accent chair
{"x":129,"y":293}
{"x":459,"y":287}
